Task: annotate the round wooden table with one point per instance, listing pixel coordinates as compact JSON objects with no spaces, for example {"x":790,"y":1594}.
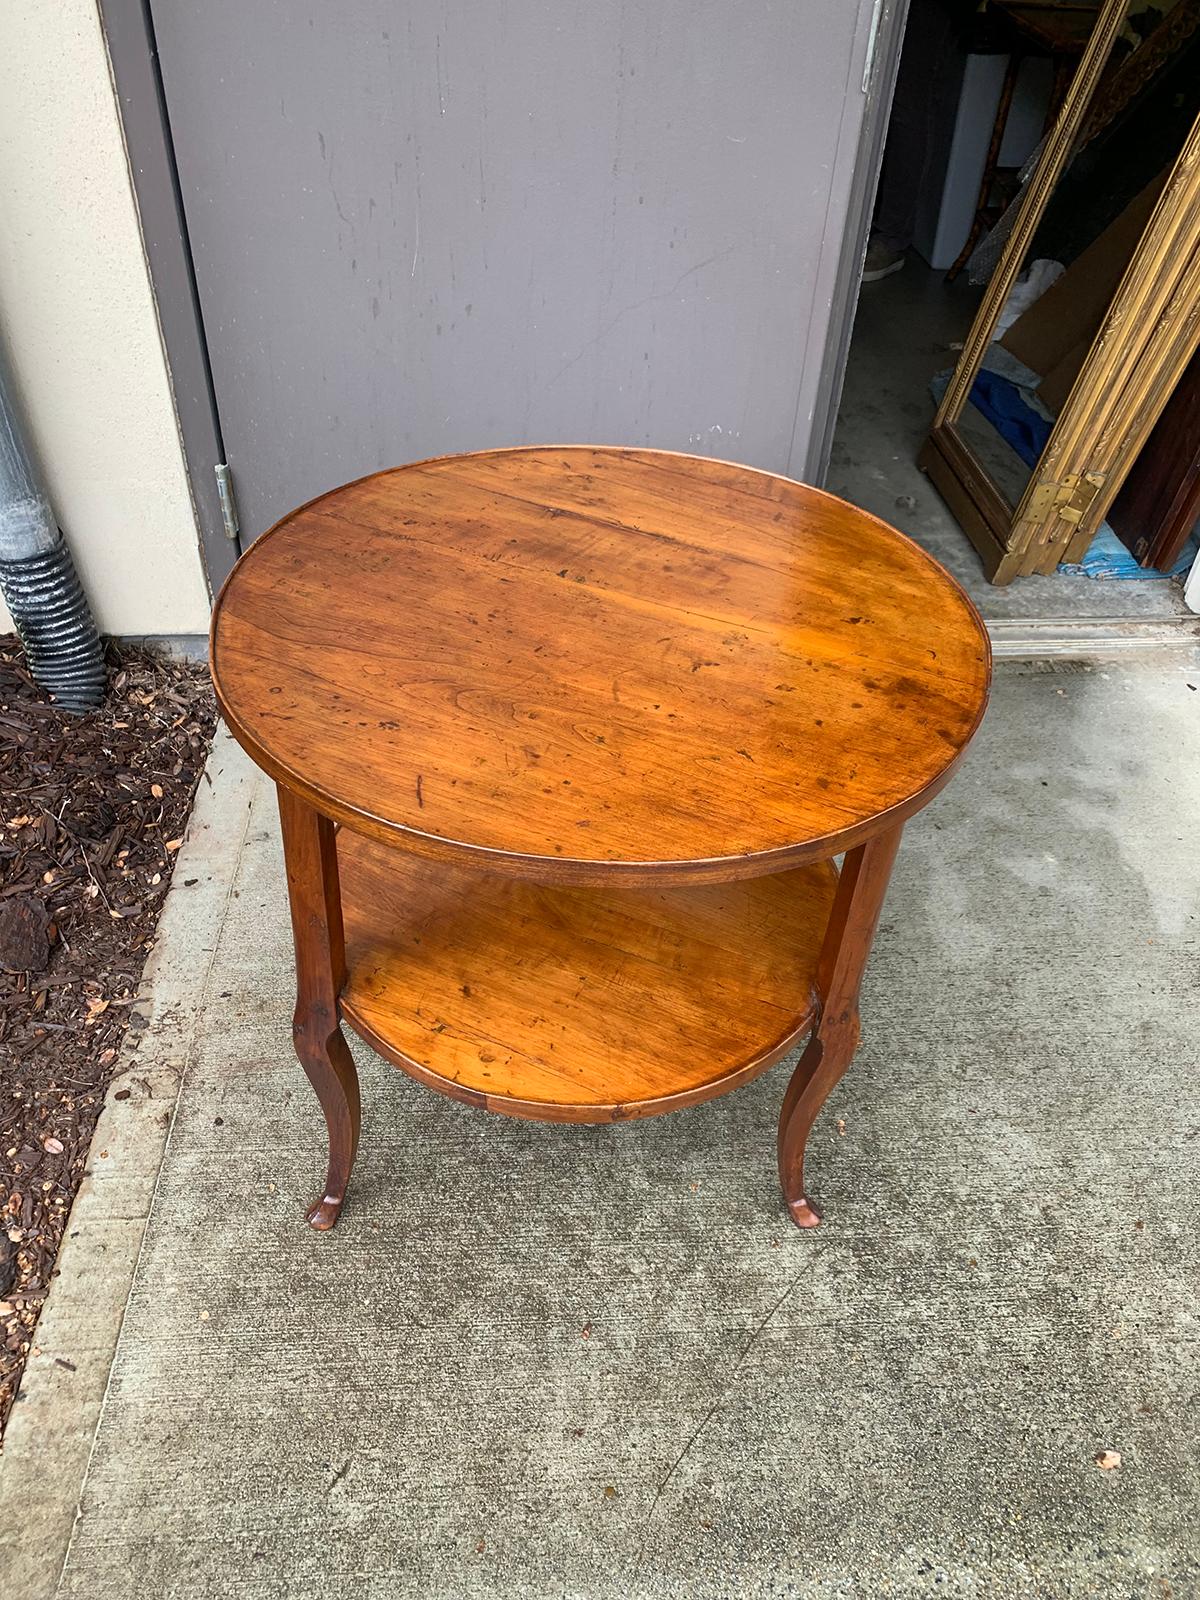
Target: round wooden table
{"x":566,"y":741}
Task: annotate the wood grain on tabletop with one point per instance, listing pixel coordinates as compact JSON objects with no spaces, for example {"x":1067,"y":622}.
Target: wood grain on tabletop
{"x":588,"y":661}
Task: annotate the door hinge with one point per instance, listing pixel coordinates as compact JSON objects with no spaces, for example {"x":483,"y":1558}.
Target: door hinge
{"x":229,"y":510}
{"x":1070,"y":499}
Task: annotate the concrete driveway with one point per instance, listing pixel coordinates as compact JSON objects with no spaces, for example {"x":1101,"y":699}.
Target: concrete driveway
{"x":538,"y":1361}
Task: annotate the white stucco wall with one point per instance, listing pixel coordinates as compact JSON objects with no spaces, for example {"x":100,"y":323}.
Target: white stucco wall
{"x":77,"y":315}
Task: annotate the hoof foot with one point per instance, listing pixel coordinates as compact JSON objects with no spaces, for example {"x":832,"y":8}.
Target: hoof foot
{"x":804,"y":1214}
{"x":323,"y":1213}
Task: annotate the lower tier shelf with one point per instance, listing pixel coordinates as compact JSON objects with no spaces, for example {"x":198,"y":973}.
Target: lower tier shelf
{"x":576,"y":1004}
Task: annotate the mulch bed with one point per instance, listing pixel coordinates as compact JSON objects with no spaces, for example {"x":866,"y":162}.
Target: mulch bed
{"x":92,"y":812}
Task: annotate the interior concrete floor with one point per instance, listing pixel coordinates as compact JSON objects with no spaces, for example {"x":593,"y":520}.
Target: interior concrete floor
{"x":542,"y":1361}
{"x":905,"y":331}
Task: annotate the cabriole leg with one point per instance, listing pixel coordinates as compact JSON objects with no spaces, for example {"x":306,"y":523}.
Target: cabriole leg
{"x":852,"y":922}
{"x":310,"y":852}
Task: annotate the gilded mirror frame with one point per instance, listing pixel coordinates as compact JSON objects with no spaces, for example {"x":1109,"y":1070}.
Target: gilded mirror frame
{"x":1146,"y":339}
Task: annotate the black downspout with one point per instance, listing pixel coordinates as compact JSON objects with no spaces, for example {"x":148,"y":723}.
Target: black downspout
{"x":38,"y":578}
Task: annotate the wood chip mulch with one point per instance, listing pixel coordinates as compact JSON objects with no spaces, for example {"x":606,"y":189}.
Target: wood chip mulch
{"x":92,"y":813}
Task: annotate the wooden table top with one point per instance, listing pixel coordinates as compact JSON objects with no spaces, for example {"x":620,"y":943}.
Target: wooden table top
{"x":599,"y":665}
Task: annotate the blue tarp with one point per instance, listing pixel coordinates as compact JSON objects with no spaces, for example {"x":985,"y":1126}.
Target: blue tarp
{"x":1013,"y":418}
{"x":1107,"y":557}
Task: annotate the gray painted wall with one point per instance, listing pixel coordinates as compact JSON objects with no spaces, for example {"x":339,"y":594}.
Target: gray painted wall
{"x":443,"y":225}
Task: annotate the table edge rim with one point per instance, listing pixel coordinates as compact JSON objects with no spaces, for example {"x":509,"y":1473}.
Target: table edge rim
{"x":581,"y":1113}
{"x":593,"y":870}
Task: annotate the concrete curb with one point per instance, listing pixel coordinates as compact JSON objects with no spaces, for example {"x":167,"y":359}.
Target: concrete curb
{"x":48,"y":1444}
{"x":1092,"y":638}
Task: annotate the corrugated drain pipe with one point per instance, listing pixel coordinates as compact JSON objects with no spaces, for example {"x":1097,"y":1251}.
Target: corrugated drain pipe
{"x":38,"y":578}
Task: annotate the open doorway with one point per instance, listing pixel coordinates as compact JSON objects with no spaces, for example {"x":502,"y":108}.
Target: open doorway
{"x":978,"y":91}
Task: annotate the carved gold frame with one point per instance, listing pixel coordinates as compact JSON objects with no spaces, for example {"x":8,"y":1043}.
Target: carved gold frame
{"x":1149,"y":334}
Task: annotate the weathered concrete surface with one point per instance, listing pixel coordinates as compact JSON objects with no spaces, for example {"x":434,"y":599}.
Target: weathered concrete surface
{"x":50,"y":1433}
{"x":549,"y":1361}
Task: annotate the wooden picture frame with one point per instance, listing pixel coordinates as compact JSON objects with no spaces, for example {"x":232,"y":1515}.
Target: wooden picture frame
{"x":1146,"y":339}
